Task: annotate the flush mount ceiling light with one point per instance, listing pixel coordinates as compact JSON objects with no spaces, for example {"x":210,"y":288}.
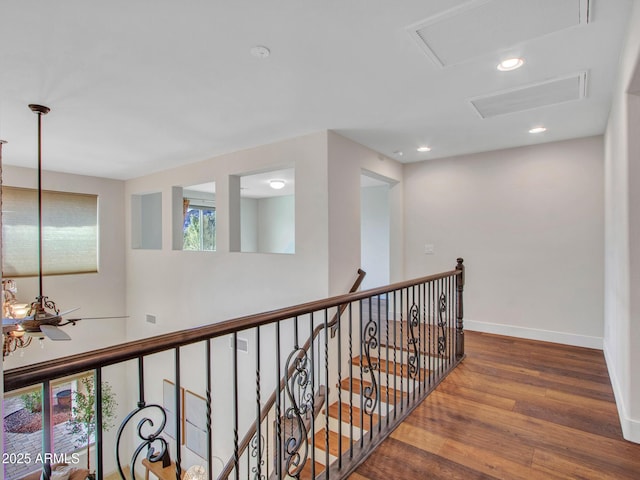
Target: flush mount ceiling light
{"x":510,"y":64}
{"x":424,"y":148}
{"x":260,"y":51}
{"x":277,"y":184}
{"x":538,"y":130}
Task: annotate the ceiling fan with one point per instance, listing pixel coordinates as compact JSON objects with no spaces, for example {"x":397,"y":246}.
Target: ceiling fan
{"x":41,"y":318}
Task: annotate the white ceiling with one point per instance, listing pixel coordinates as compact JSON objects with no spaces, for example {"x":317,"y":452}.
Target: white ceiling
{"x":137,"y":87}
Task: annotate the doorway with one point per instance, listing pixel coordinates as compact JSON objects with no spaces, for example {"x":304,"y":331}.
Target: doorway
{"x":375,"y":231}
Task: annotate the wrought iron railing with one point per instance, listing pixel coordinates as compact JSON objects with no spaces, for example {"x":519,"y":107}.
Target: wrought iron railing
{"x":316,"y":387}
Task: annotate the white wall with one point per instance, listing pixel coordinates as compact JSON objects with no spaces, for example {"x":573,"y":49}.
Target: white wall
{"x":185,"y":289}
{"x":622,"y":235}
{"x":276,"y":224}
{"x":248,"y":224}
{"x":268,"y":224}
{"x":193,"y":288}
{"x":528,"y":222}
{"x":347,"y":160}
{"x":374,"y":224}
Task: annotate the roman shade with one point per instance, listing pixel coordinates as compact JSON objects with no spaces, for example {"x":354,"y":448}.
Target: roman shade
{"x":69,"y":232}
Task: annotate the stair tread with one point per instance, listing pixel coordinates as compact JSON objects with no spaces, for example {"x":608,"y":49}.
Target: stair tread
{"x":333,"y":442}
{"x":358,"y":387}
{"x":393,"y":368}
{"x":306,"y":470}
{"x":337,"y":406}
{"x":425,"y":334}
{"x":409,"y":349}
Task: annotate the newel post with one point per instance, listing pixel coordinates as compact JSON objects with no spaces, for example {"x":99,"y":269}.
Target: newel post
{"x":459,"y":310}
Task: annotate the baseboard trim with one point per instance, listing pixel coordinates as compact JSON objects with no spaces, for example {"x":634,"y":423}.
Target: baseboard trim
{"x":630,"y":427}
{"x":535,"y":334}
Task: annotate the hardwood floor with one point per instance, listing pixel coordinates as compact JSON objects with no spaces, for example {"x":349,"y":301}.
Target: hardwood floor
{"x":514,"y":409}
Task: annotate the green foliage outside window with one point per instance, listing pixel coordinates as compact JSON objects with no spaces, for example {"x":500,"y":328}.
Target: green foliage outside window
{"x":83,"y":412}
{"x":200,"y":229}
{"x":32,"y":401}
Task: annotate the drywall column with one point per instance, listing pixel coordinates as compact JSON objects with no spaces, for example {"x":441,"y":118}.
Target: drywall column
{"x":346,"y":161}
{"x":633,"y":430}
{"x":235,"y":218}
{"x":622,"y":235}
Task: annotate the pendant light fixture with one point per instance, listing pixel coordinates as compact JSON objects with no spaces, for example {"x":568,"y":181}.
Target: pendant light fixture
{"x":42,"y":315}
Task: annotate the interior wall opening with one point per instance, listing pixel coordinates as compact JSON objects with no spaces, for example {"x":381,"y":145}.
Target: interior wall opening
{"x":375,"y":233}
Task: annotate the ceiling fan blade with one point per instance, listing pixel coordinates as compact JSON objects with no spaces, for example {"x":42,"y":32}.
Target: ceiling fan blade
{"x":62,"y":314}
{"x":15,"y":321}
{"x":54,"y":333}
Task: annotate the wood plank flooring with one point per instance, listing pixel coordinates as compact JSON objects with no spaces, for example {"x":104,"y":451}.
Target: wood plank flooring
{"x":514,"y":409}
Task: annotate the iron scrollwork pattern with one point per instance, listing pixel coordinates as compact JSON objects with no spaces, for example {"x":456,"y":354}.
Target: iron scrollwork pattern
{"x":300,"y":395}
{"x":370,"y":342}
{"x":442,"y":322}
{"x":150,"y":438}
{"x":414,"y":322}
{"x":257,"y":452}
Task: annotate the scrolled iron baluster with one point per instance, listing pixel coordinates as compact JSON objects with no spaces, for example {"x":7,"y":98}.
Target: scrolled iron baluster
{"x":148,"y":439}
{"x":414,"y":321}
{"x":442,"y":322}
{"x":298,"y":391}
{"x":257,"y":452}
{"x":370,"y":392}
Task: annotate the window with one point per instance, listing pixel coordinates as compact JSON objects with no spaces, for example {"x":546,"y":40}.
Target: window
{"x":199,"y":228}
{"x":69,"y":232}
{"x":194,"y":217}
{"x":22,"y":426}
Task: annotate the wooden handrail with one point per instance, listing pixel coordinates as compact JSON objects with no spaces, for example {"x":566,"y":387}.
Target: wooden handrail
{"x":246,"y":440}
{"x":28,"y":375}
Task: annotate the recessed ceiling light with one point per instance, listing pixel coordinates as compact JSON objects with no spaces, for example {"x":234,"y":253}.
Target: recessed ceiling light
{"x":398,"y":153}
{"x":424,"y":149}
{"x":277,"y":184}
{"x":260,"y":51}
{"x":510,"y":64}
{"x":538,"y":130}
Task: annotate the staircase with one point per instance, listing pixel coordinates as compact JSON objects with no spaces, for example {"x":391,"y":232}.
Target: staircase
{"x":367,"y":363}
{"x":369,"y":398}
{"x":378,"y":353}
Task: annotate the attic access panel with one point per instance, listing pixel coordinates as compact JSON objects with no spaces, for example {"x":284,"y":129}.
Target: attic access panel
{"x":484,"y":26}
{"x":552,"y":92}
